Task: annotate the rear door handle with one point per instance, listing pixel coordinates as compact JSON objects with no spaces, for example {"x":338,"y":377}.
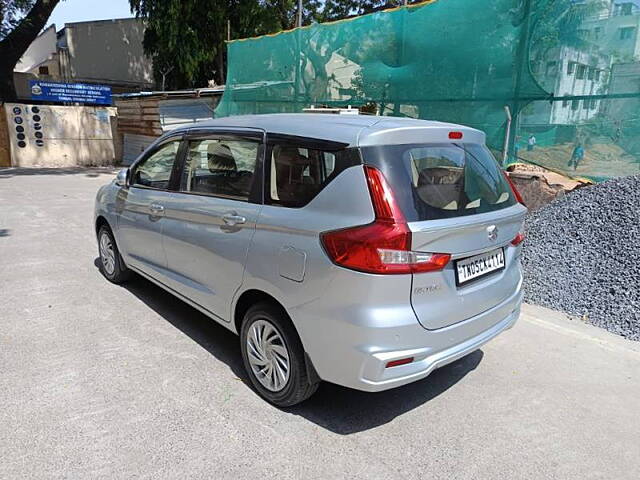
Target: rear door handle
{"x":232,"y":219}
{"x":156,"y":209}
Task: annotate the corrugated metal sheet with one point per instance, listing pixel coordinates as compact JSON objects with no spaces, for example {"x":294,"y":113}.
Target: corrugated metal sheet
{"x":182,"y":111}
{"x":133,"y":146}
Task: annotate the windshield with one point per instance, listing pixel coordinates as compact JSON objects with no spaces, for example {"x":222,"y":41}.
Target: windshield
{"x":432,"y":181}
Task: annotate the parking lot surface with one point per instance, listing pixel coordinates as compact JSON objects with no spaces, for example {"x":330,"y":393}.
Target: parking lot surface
{"x":106,"y":381}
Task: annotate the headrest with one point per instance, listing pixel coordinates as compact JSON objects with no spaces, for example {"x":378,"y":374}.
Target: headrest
{"x":220,"y":157}
{"x":290,"y":156}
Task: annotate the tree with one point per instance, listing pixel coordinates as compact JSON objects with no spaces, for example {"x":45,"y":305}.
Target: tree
{"x":20,"y":23}
{"x":185,"y":38}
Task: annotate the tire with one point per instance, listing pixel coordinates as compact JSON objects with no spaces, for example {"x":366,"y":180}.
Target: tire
{"x":281,"y":346}
{"x":111,"y":264}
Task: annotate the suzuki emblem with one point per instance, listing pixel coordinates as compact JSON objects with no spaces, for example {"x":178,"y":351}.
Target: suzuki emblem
{"x":492,"y":233}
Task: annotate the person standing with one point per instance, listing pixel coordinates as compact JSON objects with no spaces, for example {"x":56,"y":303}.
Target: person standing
{"x":576,"y":156}
{"x":531,"y":142}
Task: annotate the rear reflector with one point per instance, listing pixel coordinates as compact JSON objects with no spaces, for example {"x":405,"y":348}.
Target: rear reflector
{"x":518,"y":239}
{"x":383,"y":246}
{"x":455,"y":135}
{"x":397,"y":363}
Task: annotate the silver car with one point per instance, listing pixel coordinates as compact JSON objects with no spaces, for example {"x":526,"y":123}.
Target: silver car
{"x":364,"y":251}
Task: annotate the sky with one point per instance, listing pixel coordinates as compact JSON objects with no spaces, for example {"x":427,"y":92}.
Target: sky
{"x":69,"y":11}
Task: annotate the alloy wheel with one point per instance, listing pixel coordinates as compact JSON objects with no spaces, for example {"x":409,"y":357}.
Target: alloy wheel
{"x":268,"y":355}
{"x":107,"y":254}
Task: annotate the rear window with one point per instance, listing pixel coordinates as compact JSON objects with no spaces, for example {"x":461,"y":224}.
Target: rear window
{"x":433,"y":181}
{"x":296,"y":174}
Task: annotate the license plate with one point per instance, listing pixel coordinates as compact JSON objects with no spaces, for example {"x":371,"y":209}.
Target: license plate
{"x":478,"y":266}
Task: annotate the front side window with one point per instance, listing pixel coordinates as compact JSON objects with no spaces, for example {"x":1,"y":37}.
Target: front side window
{"x":297,"y":174}
{"x":434,"y":181}
{"x":220,"y":167}
{"x":155,"y":170}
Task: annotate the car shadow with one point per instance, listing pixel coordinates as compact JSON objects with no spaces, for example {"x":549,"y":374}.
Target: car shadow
{"x":338,"y":409}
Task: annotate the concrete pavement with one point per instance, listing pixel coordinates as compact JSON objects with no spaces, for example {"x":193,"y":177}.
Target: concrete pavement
{"x":102,"y":381}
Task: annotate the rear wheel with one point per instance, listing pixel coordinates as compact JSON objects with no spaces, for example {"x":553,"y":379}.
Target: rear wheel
{"x":273,"y":356}
{"x":111,"y":264}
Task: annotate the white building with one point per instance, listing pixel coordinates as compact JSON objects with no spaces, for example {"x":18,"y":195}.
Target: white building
{"x":567,"y":71}
{"x":616,"y":30}
{"x":105,"y":52}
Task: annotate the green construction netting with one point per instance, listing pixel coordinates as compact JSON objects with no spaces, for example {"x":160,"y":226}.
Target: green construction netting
{"x":568,"y":70}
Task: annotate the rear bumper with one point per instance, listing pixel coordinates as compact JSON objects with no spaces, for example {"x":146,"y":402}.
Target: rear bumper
{"x":376,"y":377}
{"x":357,"y":350}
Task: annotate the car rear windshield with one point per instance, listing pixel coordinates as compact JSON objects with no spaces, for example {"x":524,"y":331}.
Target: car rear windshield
{"x":434,"y":181}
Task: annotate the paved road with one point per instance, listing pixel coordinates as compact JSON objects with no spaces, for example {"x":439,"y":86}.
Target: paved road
{"x":101,"y":381}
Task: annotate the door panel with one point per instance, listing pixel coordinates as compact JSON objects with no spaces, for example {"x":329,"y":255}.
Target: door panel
{"x":205,"y":255}
{"x":141,"y":209}
{"x":140,"y":228}
{"x":209,"y":225}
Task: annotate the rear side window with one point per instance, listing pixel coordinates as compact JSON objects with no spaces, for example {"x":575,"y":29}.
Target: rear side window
{"x":436,"y":181}
{"x":296,"y":174}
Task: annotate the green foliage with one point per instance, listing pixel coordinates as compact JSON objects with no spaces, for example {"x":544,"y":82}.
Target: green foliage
{"x":186,"y":38}
{"x":11,"y":11}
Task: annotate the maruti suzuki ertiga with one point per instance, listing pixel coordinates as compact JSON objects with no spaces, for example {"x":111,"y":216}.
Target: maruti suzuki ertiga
{"x":365,"y":251}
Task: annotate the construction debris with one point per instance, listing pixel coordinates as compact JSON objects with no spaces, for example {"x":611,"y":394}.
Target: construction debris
{"x":582,"y":255}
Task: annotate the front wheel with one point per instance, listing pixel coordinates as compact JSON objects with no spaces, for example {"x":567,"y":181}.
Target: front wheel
{"x":273,"y":356}
{"x":111,"y":264}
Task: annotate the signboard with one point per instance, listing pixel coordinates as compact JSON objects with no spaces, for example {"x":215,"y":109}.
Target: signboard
{"x":70,"y":92}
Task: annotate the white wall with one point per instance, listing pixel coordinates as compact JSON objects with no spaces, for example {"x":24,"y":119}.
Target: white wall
{"x":108,"y":51}
{"x":42,"y":49}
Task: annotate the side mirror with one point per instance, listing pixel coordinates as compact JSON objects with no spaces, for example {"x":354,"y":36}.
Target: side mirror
{"x":122,"y":177}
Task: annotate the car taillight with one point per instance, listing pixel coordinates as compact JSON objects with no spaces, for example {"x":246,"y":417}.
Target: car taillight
{"x":515,"y":191}
{"x":383,"y":246}
{"x":518,"y":239}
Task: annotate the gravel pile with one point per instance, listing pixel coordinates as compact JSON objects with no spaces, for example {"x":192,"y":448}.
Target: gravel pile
{"x":582,"y":255}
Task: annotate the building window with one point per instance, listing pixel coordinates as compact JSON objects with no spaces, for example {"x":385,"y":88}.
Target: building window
{"x":591,"y":73}
{"x":534,"y":66}
{"x":626,"y":33}
{"x":597,"y":33}
{"x":565,"y":103}
{"x":593,"y":104}
{"x":583,"y":33}
{"x":44,"y":70}
{"x":580,"y":72}
{"x":571,"y":66}
{"x":597,"y":75}
{"x":585,"y":104}
{"x":575,"y":104}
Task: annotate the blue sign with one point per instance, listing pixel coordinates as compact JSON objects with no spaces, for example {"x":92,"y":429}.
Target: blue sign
{"x":70,"y":92}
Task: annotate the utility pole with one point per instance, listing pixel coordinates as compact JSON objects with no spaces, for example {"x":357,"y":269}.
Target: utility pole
{"x":299,"y":19}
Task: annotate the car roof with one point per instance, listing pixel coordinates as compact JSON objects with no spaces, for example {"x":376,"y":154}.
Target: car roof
{"x":353,"y":130}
